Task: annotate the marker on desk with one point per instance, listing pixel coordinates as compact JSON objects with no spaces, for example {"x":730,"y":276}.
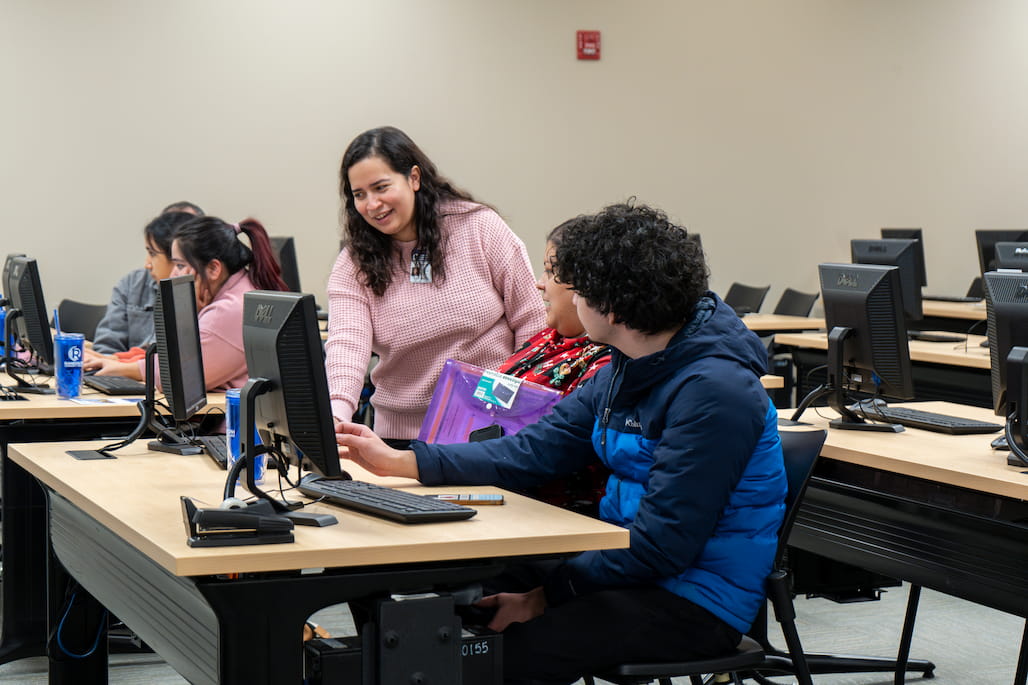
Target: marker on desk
{"x":472,"y":499}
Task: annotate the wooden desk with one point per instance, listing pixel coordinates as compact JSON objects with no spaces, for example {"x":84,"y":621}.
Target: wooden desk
{"x":937,"y":510}
{"x":970,"y":355}
{"x":116,"y":525}
{"x":771,"y":323}
{"x":954,"y":372}
{"x":959,"y":317}
{"x":971,"y":311}
{"x":40,"y":418}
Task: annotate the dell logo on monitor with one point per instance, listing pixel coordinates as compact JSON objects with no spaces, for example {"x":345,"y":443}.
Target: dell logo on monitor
{"x":846,"y":280}
{"x":1022,"y":290}
{"x":263,"y":313}
{"x":1021,"y":250}
{"x":876,"y":247}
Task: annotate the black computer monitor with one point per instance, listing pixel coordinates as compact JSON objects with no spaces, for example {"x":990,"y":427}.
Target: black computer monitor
{"x":7,"y":267}
{"x":1006,"y":298}
{"x":180,"y":363}
{"x":1012,"y":256}
{"x":901,"y":254}
{"x":179,"y":354}
{"x":986,"y":239}
{"x":867,"y":340}
{"x":286,"y":398}
{"x":179,"y":360}
{"x":911,"y":234}
{"x":27,"y":319}
{"x":285,"y":253}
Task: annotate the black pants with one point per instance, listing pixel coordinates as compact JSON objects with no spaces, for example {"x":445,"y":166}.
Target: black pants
{"x":594,"y":632}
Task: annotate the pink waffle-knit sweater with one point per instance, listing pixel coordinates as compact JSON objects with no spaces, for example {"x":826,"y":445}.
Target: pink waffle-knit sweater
{"x":483,"y":310}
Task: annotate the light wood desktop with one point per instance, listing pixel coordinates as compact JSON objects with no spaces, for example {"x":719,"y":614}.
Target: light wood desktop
{"x":137,"y":497}
{"x":966,"y":461}
{"x":116,"y":526}
{"x":973,"y":311}
{"x":969,"y":354}
{"x":941,"y":511}
{"x":91,"y":404}
{"x":761,"y":323}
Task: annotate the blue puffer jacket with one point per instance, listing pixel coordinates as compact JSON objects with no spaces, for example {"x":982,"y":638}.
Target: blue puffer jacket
{"x":698,"y":479}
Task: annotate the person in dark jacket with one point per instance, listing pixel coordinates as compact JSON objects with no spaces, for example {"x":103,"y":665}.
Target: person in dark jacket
{"x":680,"y":418}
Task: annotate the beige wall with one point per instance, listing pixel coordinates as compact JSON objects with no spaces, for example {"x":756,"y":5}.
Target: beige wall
{"x":778,"y":130}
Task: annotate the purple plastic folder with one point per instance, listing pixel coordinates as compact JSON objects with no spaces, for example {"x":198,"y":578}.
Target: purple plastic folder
{"x":468,"y":397}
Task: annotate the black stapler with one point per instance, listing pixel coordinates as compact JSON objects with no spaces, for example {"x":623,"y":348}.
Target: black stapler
{"x":257,"y":524}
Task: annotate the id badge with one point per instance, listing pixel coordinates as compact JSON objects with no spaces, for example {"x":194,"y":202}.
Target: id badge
{"x":420,"y":269}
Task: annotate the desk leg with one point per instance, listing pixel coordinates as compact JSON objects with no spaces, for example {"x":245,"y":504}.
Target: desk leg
{"x":1022,"y":662}
{"x":77,"y":625}
{"x":23,"y":508}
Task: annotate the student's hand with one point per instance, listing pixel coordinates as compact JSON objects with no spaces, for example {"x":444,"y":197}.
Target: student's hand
{"x":362,"y":446}
{"x":92,"y":361}
{"x":512,"y":607}
{"x":113,"y":367}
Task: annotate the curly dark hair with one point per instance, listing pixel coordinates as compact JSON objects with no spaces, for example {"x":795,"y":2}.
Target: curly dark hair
{"x":630,"y":260}
{"x":372,"y":250}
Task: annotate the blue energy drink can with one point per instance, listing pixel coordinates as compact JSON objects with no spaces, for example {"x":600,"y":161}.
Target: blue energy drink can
{"x":232,"y":435}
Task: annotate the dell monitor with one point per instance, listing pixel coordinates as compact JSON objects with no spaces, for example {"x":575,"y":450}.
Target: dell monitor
{"x":180,"y":364}
{"x":1012,"y":256}
{"x":286,"y":398}
{"x":285,"y":254}
{"x":898,"y":253}
{"x":986,"y":240}
{"x":28,"y":320}
{"x":1006,"y":298}
{"x":911,"y":234}
{"x":867,"y":340}
{"x":179,"y":354}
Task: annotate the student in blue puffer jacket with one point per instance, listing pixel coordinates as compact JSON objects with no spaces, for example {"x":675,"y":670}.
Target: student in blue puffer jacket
{"x":681,"y":419}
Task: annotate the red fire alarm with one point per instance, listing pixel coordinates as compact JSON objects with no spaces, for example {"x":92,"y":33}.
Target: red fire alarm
{"x":588,"y":45}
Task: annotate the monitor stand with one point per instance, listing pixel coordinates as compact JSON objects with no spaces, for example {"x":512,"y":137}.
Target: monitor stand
{"x":12,"y":363}
{"x":833,"y":388}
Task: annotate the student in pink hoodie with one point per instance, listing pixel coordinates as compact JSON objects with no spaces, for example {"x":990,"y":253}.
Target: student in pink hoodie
{"x":225,"y":269}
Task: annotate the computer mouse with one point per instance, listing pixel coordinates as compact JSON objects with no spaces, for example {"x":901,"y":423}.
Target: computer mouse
{"x":1000,"y":443}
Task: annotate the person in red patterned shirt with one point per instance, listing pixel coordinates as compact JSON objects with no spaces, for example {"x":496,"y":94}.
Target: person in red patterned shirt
{"x":561,"y":356}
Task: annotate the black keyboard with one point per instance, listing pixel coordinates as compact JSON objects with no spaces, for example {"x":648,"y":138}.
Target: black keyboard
{"x":951,"y":298}
{"x":215,"y":447}
{"x":396,"y":505}
{"x":115,"y":385}
{"x":925,"y":420}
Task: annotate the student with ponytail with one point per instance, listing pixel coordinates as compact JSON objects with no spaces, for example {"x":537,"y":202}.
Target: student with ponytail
{"x":225,"y":269}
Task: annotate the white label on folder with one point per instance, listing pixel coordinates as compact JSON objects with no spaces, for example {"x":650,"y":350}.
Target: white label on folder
{"x":497,"y":388}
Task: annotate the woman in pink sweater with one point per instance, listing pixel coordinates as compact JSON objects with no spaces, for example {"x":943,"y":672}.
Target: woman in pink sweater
{"x":225,"y":269}
{"x":426,"y":274}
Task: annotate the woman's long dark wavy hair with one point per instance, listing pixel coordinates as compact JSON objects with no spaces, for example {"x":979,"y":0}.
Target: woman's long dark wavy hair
{"x":207,"y":238}
{"x":372,"y":250}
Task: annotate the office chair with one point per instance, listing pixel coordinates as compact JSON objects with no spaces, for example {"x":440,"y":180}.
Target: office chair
{"x":79,"y":317}
{"x":976,"y":289}
{"x":796,"y":303}
{"x":745,"y":298}
{"x":754,"y":656}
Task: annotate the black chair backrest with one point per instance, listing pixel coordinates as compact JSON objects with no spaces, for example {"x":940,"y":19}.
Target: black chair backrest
{"x":976,"y":289}
{"x":746,"y":298}
{"x":796,"y":303}
{"x":800,"y":449}
{"x":79,"y":317}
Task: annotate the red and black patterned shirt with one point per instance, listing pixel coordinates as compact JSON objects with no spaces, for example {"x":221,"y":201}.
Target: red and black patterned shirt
{"x":550,"y":359}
